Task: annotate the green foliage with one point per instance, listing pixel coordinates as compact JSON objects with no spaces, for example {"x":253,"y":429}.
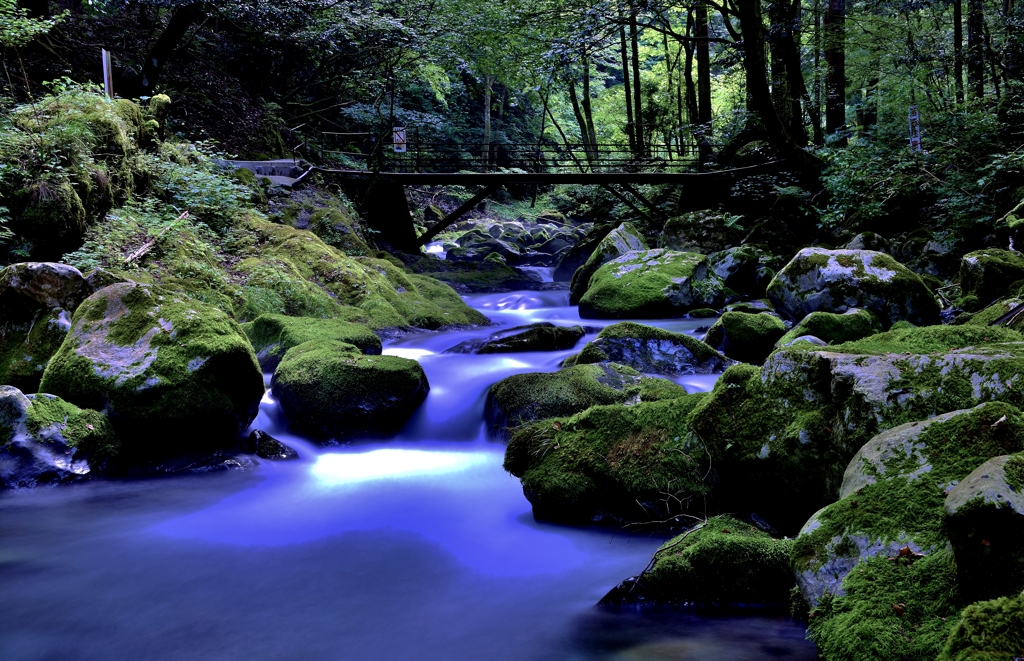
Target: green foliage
{"x":988,"y":631}
{"x":17,"y":29}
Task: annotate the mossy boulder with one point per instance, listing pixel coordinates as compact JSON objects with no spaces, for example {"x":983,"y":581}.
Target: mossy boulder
{"x":989,"y":315}
{"x":543,"y":336}
{"x":523,"y":398}
{"x":36,"y":303}
{"x":746,"y":337}
{"x":988,"y":631}
{"x":988,"y":274}
{"x":651,"y":284}
{"x":651,"y":350}
{"x":878,"y":561}
{"x":578,"y":254}
{"x":173,"y":374}
{"x":782,"y":435}
{"x":833,"y":328}
{"x":272,"y":335}
{"x":985,"y":519}
{"x":330,"y":390}
{"x":480,"y":250}
{"x":868,"y":241}
{"x":722,"y":562}
{"x":705,"y":231}
{"x":837,"y":280}
{"x":610,"y":463}
{"x":621,"y":240}
{"x":310,"y":278}
{"x":46,"y":440}
{"x":744,"y":269}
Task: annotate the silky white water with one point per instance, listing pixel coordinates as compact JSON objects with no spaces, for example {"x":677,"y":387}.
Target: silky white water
{"x":420,"y":547}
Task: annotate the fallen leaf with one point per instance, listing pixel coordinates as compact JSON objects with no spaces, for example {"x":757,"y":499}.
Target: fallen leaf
{"x":1001,"y":422}
{"x":900,"y":609}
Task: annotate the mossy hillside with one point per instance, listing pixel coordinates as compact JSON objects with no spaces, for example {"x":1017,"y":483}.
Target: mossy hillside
{"x":988,"y":274}
{"x":273,"y":334}
{"x":622,"y":463}
{"x":618,"y":242}
{"x":724,"y":562}
{"x":330,"y":217}
{"x":854,"y":324}
{"x":988,"y":631}
{"x":746,"y":337}
{"x":650,"y":350}
{"x":523,"y":398}
{"x":837,"y":280}
{"x":329,"y":390}
{"x":174,"y":374}
{"x":783,"y":435}
{"x":651,"y":284}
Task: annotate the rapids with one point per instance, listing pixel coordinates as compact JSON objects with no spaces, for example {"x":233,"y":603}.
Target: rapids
{"x":420,"y":547}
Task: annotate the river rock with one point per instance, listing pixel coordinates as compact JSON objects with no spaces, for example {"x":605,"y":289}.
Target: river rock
{"x":985,"y":519}
{"x":868,"y":241}
{"x":651,"y":350}
{"x":618,"y":242}
{"x":832,"y":328}
{"x":612,"y":463}
{"x":274,"y":334}
{"x":543,"y":336}
{"x":746,"y":337}
{"x":523,"y":398}
{"x":704,"y":231}
{"x":265,"y":446}
{"x":986,"y":275}
{"x":330,"y":390}
{"x":808,"y":411}
{"x":885,"y":541}
{"x":478,"y":251}
{"x":651,"y":284}
{"x":45,"y":440}
{"x":745,"y":269}
{"x":837,"y":280}
{"x":988,"y":630}
{"x":577,"y":255}
{"x":723,"y":562}
{"x":172,"y":373}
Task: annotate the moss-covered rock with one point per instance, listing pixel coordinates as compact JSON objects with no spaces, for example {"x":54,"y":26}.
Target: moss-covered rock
{"x":993,"y":312}
{"x":832,"y":328}
{"x":985,"y":519}
{"x":651,"y":350}
{"x":861,"y":560}
{"x":744,"y":269}
{"x":988,"y":274}
{"x":45,"y":440}
{"x":705,"y":231}
{"x":618,"y":242}
{"x":543,"y":336}
{"x":578,"y":254}
{"x":837,"y":280}
{"x":746,"y":337}
{"x":479,"y":251}
{"x":329,"y":390}
{"x":783,"y":435}
{"x":723,"y":562}
{"x":988,"y":631}
{"x":523,"y":398}
{"x":173,"y":374}
{"x":651,"y":284}
{"x":612,"y":462}
{"x":36,"y":303}
{"x":273,"y":334}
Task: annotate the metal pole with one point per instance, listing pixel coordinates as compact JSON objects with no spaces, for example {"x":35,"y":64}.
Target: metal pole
{"x":108,"y":75}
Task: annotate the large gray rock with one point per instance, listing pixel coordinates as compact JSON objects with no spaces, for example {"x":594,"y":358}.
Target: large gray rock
{"x":543,"y":336}
{"x":651,"y":351}
{"x":45,"y":440}
{"x":837,"y":280}
{"x":744,"y":269}
{"x":616,"y":243}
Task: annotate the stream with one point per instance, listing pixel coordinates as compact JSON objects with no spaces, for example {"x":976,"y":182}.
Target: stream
{"x":421,"y":547}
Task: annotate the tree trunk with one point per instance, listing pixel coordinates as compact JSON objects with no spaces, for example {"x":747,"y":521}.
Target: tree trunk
{"x":638,"y":122}
{"x":975,"y":48}
{"x":835,"y":61}
{"x":588,"y":114}
{"x":958,"y":49}
{"x":703,"y":66}
{"x":787,"y":84}
{"x":488,"y":94}
{"x":630,"y":126}
{"x":581,"y":121}
{"x":819,"y":137}
{"x":181,"y":20}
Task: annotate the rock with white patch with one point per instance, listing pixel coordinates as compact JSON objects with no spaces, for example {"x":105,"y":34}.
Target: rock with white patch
{"x":173,"y":374}
{"x":837,"y":280}
{"x":618,"y":242}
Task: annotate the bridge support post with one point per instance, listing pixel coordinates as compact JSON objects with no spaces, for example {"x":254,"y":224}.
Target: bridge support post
{"x":386,"y":210}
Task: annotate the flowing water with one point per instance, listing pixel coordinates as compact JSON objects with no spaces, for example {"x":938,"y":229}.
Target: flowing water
{"x":420,"y":548}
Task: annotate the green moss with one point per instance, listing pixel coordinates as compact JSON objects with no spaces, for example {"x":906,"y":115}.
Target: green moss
{"x":928,"y":340}
{"x":1015,"y":472}
{"x":619,"y":461}
{"x":616,"y":243}
{"x":87,"y":430}
{"x":991,"y":313}
{"x":988,"y":274}
{"x":988,"y":631}
{"x":838,"y":328}
{"x":273,"y":334}
{"x":723,"y":562}
{"x":744,"y":336}
{"x":703,"y":313}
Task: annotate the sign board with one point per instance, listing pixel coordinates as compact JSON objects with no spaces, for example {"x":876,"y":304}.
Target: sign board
{"x":915,"y":129}
{"x":400,"y":144}
{"x":108,"y":74}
